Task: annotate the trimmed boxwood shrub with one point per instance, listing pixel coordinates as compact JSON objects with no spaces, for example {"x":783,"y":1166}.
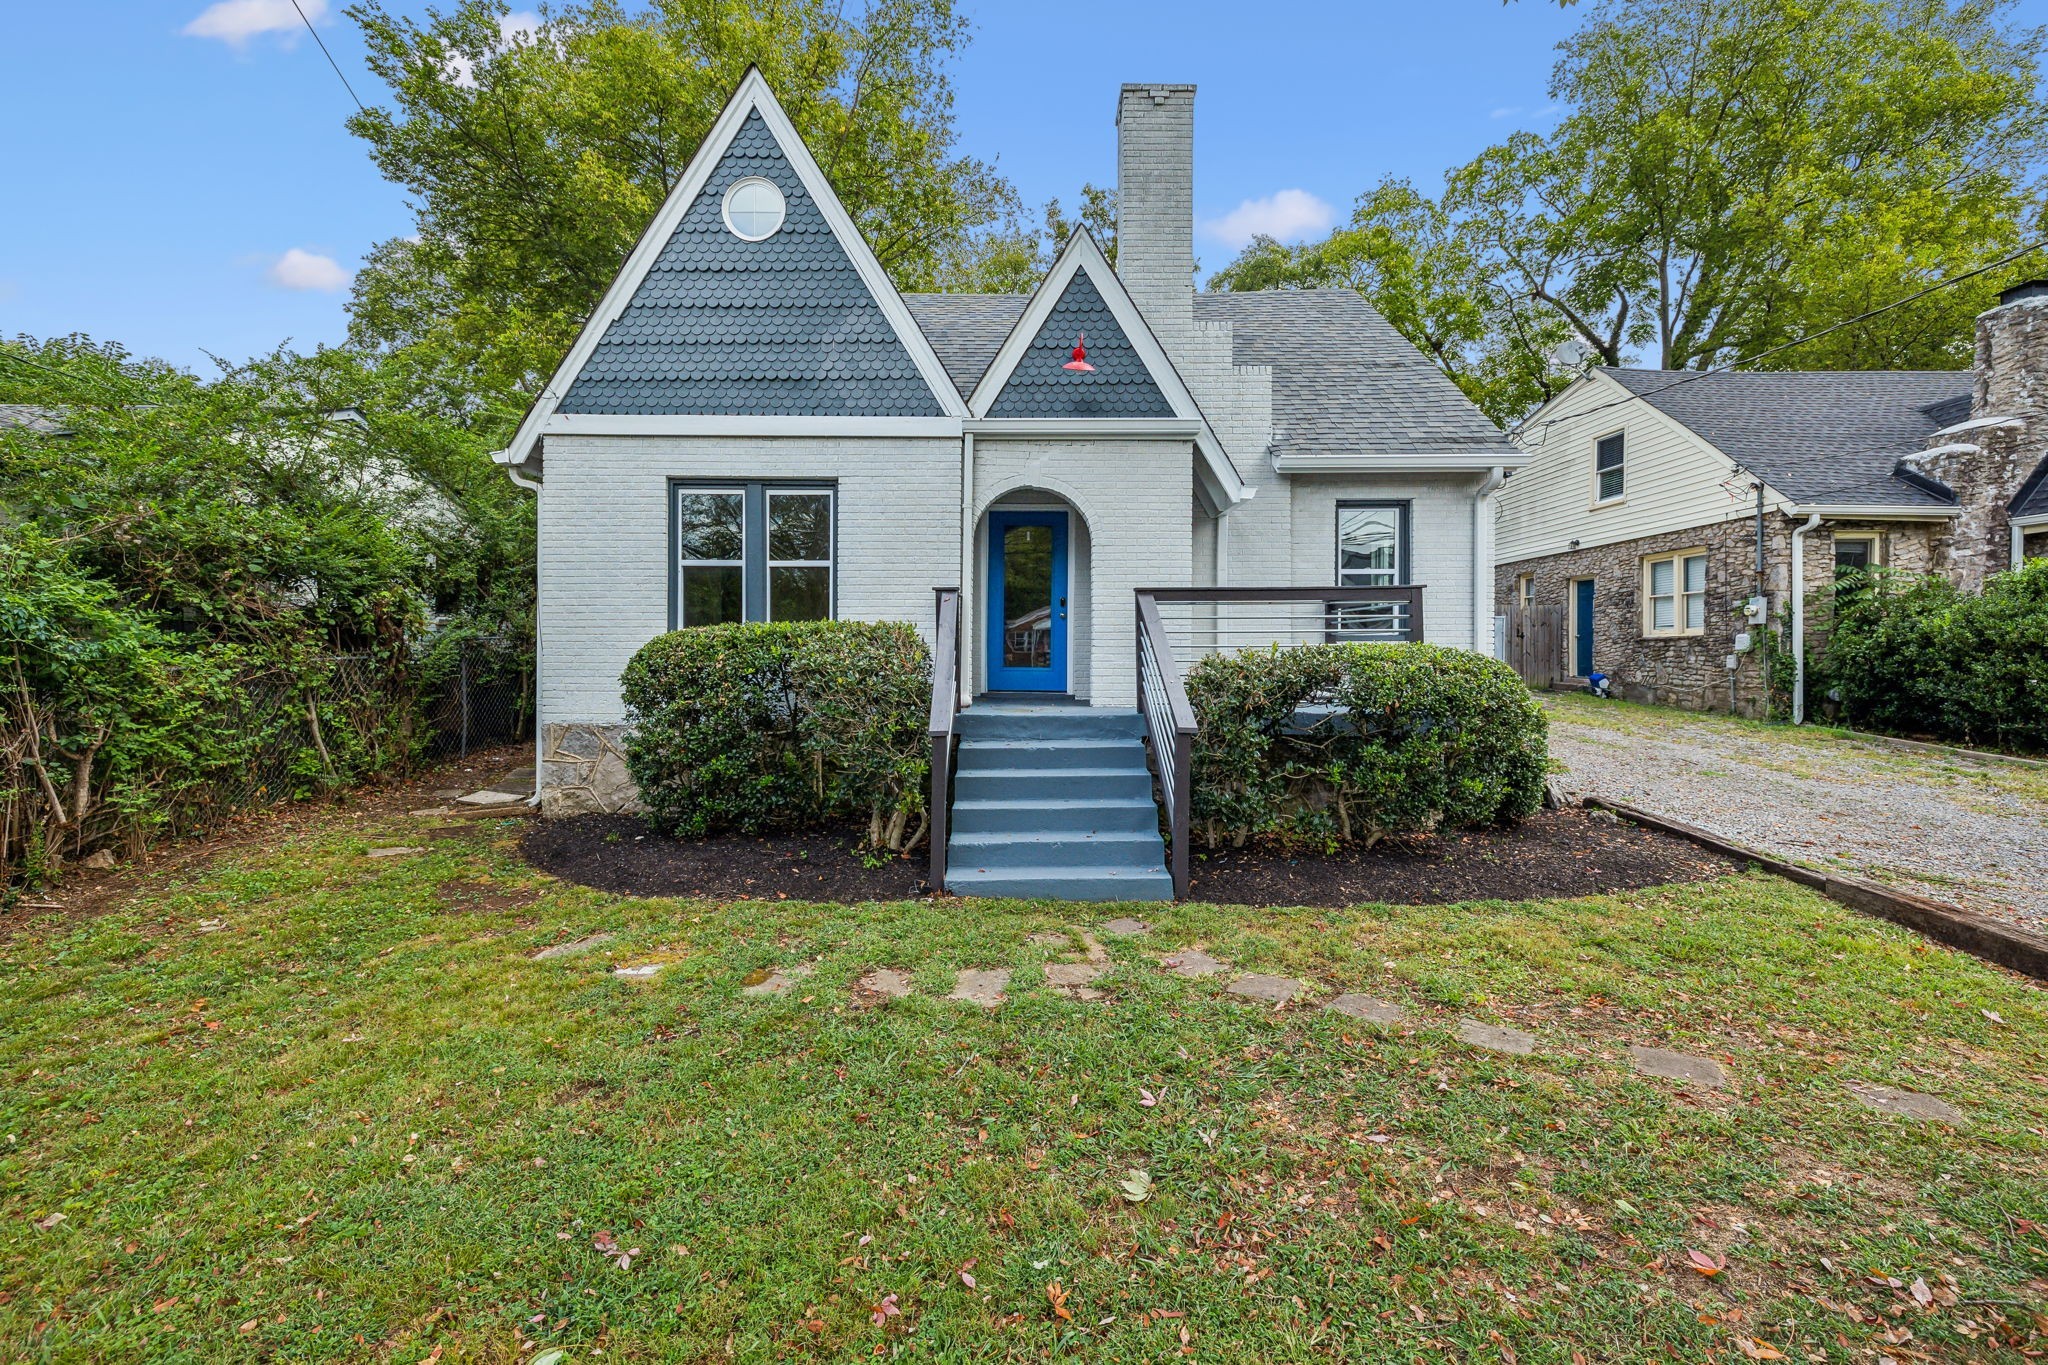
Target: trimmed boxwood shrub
{"x":1915,"y":655}
{"x":1347,"y":743}
{"x":780,"y":725}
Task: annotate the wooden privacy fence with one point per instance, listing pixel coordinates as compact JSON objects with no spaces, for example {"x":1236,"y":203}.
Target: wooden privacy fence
{"x":1536,"y":644}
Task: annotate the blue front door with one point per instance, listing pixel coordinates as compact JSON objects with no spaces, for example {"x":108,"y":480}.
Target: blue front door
{"x":1582,"y":627}
{"x":1027,"y":602}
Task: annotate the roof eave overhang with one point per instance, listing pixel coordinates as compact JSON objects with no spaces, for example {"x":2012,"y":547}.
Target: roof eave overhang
{"x":1876,"y":511}
{"x":524,"y":472}
{"x":2032,"y":519}
{"x":1446,"y":462}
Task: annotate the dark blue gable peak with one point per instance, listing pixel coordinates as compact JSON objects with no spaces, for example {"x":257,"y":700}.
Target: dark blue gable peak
{"x":782,"y":327}
{"x":1120,"y":387}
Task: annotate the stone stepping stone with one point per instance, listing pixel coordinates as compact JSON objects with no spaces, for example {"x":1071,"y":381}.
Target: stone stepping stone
{"x":402,"y":851}
{"x":1679,"y":1066}
{"x":489,"y":798}
{"x":887,"y":981}
{"x":1268,"y":990}
{"x":1047,"y":938}
{"x":1194,"y":962}
{"x":1512,"y":1041}
{"x":640,"y":973}
{"x":1905,"y":1104}
{"x":777,"y":981}
{"x":1376,"y":1012}
{"x":572,"y":947}
{"x":981,"y":988}
{"x":1123,"y":926}
{"x":1072,"y":979}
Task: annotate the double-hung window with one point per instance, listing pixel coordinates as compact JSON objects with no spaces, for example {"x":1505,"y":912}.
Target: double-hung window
{"x":1854,"y":554}
{"x":752,"y":552}
{"x":1372,"y":552}
{"x":1675,"y":593}
{"x":1610,"y":476}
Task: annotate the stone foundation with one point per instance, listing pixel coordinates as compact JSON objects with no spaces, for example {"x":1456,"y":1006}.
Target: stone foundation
{"x":583,"y":771}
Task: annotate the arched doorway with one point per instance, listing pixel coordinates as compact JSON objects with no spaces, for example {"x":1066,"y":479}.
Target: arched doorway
{"x":1032,"y":566}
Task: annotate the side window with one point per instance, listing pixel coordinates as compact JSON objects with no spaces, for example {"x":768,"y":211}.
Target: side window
{"x":1854,"y":554}
{"x":1675,"y":594}
{"x":1610,"y":458}
{"x":752,"y":552}
{"x":1372,"y":552}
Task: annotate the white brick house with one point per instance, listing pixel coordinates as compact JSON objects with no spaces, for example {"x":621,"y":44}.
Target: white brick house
{"x":756,"y":425}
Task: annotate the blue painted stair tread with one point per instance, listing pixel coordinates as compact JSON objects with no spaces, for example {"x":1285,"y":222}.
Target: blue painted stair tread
{"x":1053,"y":801}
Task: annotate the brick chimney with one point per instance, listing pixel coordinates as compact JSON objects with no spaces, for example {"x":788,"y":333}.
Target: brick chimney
{"x":1155,"y":206}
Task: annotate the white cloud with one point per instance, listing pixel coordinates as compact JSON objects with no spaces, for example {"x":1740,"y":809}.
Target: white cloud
{"x":235,"y":22}
{"x":520,"y":23}
{"x":1286,"y":215}
{"x":308,"y":270}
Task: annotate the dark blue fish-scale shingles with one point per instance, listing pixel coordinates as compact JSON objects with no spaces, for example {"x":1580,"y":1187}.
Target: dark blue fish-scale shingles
{"x":1121,"y":386}
{"x":725,"y":326}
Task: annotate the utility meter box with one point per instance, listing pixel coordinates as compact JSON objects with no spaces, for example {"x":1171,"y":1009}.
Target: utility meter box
{"x":1757,"y":610}
{"x":1742,"y":642}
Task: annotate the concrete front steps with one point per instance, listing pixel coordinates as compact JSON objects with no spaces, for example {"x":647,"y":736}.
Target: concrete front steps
{"x":1053,"y":801}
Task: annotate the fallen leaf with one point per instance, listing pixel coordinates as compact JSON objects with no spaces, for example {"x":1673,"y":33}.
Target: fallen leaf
{"x":553,"y":1357}
{"x":1138,"y":1187}
{"x":1705,"y":1264}
{"x":1146,"y":1097}
{"x":968,"y":1280}
{"x":49,"y":1222}
{"x":1057,"y":1297}
{"x":1992,"y":1015}
{"x":883,"y":1311}
{"x":162,"y":1305}
{"x":1922,"y":1295}
{"x":1758,"y":1350}
{"x":606,"y":1243}
{"x":248,"y":1326}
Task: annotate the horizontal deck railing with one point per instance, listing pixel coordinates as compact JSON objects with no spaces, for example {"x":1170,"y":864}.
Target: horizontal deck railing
{"x":1177,"y":626}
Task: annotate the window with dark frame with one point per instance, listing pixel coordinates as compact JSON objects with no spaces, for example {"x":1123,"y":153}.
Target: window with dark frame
{"x":1372,"y":552}
{"x":1609,"y":457}
{"x":1854,"y":554}
{"x":752,"y":552}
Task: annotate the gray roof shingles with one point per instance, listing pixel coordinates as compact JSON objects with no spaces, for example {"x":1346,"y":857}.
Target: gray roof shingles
{"x":721,"y":325}
{"x":2032,"y":498}
{"x":1829,"y":437}
{"x":966,"y":330}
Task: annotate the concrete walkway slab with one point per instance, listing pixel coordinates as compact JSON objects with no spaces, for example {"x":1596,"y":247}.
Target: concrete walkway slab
{"x":1905,"y":1104}
{"x":778,"y":981}
{"x":983,"y":988}
{"x":1123,"y":926}
{"x":1494,"y":1039}
{"x":572,"y":947}
{"x":1679,"y":1066}
{"x":1267,"y":990}
{"x":1074,"y":979}
{"x":1194,"y":962}
{"x":1376,"y":1012}
{"x":887,"y":981}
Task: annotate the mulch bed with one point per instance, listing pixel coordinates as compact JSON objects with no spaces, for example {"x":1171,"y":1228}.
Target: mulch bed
{"x":1555,"y":854}
{"x":616,"y":853}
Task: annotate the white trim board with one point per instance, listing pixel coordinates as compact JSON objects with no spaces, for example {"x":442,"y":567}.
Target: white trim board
{"x":752,"y":95}
{"x":1448,"y":463}
{"x":1217,"y":476}
{"x":689,"y":424}
{"x":1849,"y":511}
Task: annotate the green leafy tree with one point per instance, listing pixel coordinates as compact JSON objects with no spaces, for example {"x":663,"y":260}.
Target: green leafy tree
{"x":536,"y":158}
{"x":1011,"y":256}
{"x":1727,"y":178}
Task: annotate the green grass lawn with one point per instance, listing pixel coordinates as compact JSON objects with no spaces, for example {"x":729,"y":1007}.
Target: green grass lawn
{"x":300,"y":1104}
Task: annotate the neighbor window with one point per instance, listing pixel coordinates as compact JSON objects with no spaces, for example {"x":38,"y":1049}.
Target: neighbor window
{"x":1372,"y":552}
{"x":752,"y":552}
{"x":1675,"y":593}
{"x":1854,"y":554}
{"x":1609,"y":456}
{"x":1525,"y":590}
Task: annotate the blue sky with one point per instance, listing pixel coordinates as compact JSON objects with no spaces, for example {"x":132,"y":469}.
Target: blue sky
{"x":181,"y":180}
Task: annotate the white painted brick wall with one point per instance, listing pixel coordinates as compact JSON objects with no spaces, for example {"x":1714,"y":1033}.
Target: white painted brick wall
{"x":1440,"y":532}
{"x":604,"y":541}
{"x":1134,"y":497}
{"x":1155,"y":232}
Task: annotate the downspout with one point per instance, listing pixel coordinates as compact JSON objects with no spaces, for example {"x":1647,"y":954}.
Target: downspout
{"x":1799,"y":619}
{"x":967,"y":654}
{"x":1482,"y":562}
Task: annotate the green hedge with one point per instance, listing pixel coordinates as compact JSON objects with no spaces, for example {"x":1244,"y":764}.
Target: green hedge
{"x":758,"y":726}
{"x":1420,"y":738}
{"x":1915,"y":655}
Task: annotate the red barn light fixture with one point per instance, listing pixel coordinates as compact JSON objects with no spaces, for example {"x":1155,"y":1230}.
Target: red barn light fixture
{"x":1079,"y":364}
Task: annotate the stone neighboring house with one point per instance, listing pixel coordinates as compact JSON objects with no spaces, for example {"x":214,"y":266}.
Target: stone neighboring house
{"x":756,"y":425}
{"x":1673,"y":516}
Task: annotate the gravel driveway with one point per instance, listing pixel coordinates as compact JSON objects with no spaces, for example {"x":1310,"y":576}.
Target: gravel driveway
{"x":1972,"y":833}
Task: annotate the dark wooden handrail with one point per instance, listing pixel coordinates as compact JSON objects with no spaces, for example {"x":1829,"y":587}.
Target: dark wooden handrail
{"x":945,"y":710}
{"x":1409,"y":594}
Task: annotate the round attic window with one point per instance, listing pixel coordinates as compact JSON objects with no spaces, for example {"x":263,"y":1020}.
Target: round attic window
{"x":754,"y":209}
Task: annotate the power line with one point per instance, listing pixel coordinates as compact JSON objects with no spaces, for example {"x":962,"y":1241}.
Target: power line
{"x":1733,"y":366}
{"x":329,"y":56}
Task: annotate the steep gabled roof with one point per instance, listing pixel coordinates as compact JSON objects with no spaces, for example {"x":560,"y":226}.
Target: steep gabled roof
{"x":1816,"y":436}
{"x":2032,"y":498}
{"x":698,"y":321}
{"x":1025,"y":381}
{"x":1345,"y":382}
{"x":966,"y":329}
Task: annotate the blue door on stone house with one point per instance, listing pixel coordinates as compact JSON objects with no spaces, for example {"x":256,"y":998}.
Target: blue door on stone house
{"x":1582,"y":628}
{"x":1027,"y":602}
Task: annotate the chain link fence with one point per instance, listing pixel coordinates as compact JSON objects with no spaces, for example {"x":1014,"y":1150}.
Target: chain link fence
{"x":487,"y":700}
